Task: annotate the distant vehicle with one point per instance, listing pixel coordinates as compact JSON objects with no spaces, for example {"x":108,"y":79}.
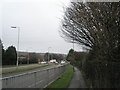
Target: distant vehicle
{"x":43,"y":62}
{"x":62,"y":62}
{"x":53,"y":61}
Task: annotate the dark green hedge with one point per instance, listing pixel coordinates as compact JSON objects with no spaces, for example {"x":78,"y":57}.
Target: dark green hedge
{"x":102,"y":74}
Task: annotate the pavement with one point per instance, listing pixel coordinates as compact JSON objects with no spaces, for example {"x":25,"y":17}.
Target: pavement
{"x":77,"y":80}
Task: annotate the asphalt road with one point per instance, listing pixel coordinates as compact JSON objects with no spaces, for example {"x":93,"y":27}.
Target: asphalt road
{"x":19,"y":67}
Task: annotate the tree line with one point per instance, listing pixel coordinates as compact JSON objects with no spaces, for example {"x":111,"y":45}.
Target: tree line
{"x":96,"y":26}
{"x":9,"y":56}
{"x":51,"y":56}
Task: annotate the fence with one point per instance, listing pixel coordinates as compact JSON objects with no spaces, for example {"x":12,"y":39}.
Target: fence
{"x":35,"y":79}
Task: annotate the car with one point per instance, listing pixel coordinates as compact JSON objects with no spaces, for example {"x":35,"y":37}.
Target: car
{"x":62,"y":62}
{"x":53,"y":61}
{"x":43,"y":62}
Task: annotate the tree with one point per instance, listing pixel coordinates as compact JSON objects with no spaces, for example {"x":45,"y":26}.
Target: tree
{"x":58,"y":57}
{"x":2,"y":52}
{"x":33,"y":58}
{"x":76,"y":58}
{"x":94,"y":25}
{"x":46,"y":57}
{"x":10,"y":56}
{"x":70,"y":56}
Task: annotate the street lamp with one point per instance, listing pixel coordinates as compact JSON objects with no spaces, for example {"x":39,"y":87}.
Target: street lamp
{"x":17,"y":44}
{"x":48,"y":52}
{"x":28,"y":56}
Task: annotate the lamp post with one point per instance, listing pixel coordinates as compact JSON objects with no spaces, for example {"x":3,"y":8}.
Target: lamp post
{"x":17,"y":43}
{"x":28,"y":56}
{"x":48,"y":52}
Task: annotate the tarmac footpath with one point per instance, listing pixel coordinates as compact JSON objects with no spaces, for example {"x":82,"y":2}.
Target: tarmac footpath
{"x":77,"y":80}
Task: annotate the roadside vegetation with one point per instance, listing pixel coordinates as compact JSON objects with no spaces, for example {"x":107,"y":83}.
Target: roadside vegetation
{"x":64,"y":80}
{"x":24,"y":69}
{"x":96,"y":27}
{"x":7,"y":66}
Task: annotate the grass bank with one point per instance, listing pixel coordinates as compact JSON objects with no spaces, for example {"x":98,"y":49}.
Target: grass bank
{"x":7,"y":66}
{"x":23,"y":69}
{"x":64,"y":80}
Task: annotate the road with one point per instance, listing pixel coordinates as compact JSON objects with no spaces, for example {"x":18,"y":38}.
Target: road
{"x":27,"y":66}
{"x":19,"y":67}
{"x":38,"y":78}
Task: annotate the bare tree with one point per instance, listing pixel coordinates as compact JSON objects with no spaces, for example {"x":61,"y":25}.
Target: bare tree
{"x":94,"y":25}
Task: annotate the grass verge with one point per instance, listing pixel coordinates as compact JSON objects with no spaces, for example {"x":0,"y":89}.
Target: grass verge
{"x":64,"y":80}
{"x":24,"y":69}
{"x":7,"y":66}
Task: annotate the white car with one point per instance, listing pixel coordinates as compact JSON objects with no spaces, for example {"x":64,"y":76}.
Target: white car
{"x":62,"y":62}
{"x":43,"y":62}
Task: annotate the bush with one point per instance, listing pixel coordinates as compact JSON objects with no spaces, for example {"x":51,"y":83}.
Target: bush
{"x":102,"y":74}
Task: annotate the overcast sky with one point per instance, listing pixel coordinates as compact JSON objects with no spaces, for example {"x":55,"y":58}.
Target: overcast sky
{"x":39,"y":22}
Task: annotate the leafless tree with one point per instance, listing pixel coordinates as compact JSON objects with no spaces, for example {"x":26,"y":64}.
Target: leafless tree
{"x":94,"y":25}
